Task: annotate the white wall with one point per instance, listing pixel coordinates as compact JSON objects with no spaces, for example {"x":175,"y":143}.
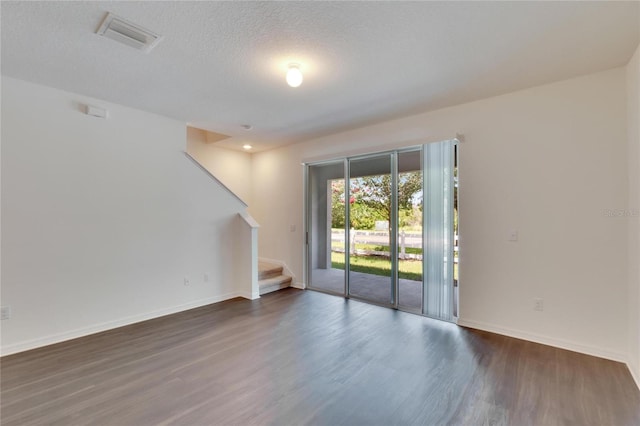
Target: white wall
{"x":103,"y":219}
{"x":633,"y":134}
{"x":232,"y":168}
{"x":246,"y":256}
{"x":547,"y":161}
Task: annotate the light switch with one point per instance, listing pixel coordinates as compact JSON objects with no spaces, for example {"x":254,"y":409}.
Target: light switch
{"x":513,"y":235}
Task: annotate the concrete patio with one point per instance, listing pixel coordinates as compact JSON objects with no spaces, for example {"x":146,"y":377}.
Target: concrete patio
{"x":375,"y":288}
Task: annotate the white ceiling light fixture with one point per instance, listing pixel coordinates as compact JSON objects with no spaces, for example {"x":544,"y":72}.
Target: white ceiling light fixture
{"x":294,"y":75}
{"x":128,"y":33}
{"x":247,"y":146}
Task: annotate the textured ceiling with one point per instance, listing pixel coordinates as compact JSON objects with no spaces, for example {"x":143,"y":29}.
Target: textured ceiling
{"x":222,"y":64}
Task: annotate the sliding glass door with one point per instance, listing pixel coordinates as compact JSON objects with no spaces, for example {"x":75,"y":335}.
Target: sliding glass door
{"x":410,"y":209}
{"x":380,"y":228}
{"x":326,"y":227}
{"x":372,"y":263}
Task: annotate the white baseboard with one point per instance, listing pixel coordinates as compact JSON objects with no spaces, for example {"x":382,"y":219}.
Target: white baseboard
{"x":109,"y":325}
{"x":249,"y":295}
{"x":635,"y":374}
{"x":546,"y":340}
{"x":301,"y":286}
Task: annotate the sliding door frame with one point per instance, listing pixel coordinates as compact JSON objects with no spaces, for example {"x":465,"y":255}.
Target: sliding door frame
{"x":347,"y":221}
{"x":394,"y":225}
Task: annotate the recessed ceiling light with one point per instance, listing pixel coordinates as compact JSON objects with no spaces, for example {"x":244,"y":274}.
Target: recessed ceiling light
{"x":247,"y":126}
{"x":247,"y":146}
{"x":294,"y":75}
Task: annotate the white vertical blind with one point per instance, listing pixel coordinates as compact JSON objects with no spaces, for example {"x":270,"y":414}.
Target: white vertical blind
{"x":438,"y":230}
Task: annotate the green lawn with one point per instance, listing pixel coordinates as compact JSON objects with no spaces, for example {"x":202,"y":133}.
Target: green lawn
{"x":373,"y":247}
{"x":378,"y":265}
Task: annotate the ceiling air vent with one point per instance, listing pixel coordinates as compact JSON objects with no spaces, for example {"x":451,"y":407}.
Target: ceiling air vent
{"x":125,"y":32}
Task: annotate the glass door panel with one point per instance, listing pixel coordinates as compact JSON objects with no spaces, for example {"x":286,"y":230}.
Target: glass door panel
{"x":410,"y":203}
{"x":371,"y":240}
{"x":325,"y":227}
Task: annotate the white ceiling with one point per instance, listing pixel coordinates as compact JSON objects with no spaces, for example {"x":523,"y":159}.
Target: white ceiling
{"x":222,"y":64}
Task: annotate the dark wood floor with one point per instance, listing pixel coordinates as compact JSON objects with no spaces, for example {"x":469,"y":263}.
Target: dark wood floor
{"x":296,"y":357}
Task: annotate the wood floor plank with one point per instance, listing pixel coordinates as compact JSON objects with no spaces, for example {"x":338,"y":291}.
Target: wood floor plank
{"x":302,"y":357}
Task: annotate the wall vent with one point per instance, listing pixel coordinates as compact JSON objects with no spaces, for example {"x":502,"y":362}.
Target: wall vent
{"x":125,"y":32}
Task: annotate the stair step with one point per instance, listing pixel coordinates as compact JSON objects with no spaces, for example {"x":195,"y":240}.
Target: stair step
{"x":274,"y":283}
{"x":268,"y":270}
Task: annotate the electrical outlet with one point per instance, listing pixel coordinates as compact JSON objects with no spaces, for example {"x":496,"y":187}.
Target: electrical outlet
{"x":5,"y":312}
{"x":513,"y":235}
{"x":538,"y":304}
{"x":186,"y":281}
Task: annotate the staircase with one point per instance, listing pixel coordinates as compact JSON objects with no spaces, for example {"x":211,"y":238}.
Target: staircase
{"x":271,"y":278}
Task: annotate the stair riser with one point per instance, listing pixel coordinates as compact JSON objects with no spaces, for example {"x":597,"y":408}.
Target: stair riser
{"x":276,"y":286}
{"x":270,"y":273}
